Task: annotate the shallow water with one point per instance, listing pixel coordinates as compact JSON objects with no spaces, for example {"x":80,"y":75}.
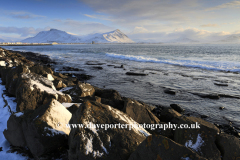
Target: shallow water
{"x":187,"y":69}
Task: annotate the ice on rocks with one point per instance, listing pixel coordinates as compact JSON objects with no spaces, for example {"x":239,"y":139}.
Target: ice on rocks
{"x":19,"y":114}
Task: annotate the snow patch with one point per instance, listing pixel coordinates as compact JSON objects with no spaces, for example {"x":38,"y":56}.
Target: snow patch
{"x":19,"y":114}
{"x":65,"y":89}
{"x":53,"y":132}
{"x":196,"y":146}
{"x":67,"y":105}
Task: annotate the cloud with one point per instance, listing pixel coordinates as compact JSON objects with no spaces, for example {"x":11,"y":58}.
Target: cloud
{"x":191,"y":33}
{"x":83,"y":28}
{"x":209,"y":25}
{"x":22,"y":15}
{"x":151,"y":11}
{"x":23,"y":32}
{"x":233,"y":4}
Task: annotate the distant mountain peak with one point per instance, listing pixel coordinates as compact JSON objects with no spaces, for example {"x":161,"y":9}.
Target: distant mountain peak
{"x":55,"y":35}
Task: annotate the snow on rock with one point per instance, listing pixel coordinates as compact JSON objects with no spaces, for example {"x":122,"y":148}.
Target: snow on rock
{"x":2,"y":63}
{"x":196,"y":146}
{"x":19,"y":114}
{"x":50,"y":77}
{"x":4,"y":116}
{"x":67,"y":105}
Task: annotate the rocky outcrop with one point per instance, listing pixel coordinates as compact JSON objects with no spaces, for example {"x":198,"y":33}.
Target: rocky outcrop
{"x":199,"y":135}
{"x":103,"y":143}
{"x":160,"y":148}
{"x":229,"y":146}
{"x":42,"y":130}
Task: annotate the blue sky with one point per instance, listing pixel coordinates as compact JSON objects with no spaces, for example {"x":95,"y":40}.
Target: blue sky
{"x":139,"y":19}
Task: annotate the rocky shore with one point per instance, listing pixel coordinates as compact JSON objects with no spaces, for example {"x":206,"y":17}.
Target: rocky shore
{"x":48,"y":101}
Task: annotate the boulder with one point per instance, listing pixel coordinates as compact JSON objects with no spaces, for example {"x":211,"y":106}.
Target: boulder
{"x":139,"y":112}
{"x":113,"y":139}
{"x":157,"y":147}
{"x":229,"y":146}
{"x":198,"y":135}
{"x":80,"y":90}
{"x":34,"y":90}
{"x":177,"y":108}
{"x":45,"y":129}
{"x":14,"y":133}
{"x":168,"y":114}
{"x":39,"y":69}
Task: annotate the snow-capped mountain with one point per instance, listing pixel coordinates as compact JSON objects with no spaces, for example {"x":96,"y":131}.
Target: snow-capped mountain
{"x":115,"y":36}
{"x":55,"y":35}
{"x":1,"y":40}
{"x":235,"y":38}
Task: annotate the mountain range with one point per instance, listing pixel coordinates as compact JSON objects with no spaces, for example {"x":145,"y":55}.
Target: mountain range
{"x":55,"y":35}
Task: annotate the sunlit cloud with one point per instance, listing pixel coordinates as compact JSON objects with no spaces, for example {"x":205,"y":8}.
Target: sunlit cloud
{"x":209,"y":25}
{"x":233,"y":4}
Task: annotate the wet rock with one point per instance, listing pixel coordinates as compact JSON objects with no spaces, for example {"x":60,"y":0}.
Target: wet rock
{"x":94,"y":63}
{"x":210,"y":96}
{"x":139,"y":112}
{"x":199,"y":135}
{"x":168,"y":91}
{"x":136,"y":74}
{"x":160,"y":148}
{"x":204,"y":116}
{"x":177,"y":108}
{"x":83,"y":77}
{"x":100,"y":68}
{"x":229,"y":146}
{"x":97,"y":143}
{"x":119,"y":66}
{"x":220,"y":84}
{"x":221,"y":108}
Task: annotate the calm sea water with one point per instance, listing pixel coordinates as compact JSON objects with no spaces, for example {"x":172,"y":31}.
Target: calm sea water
{"x":187,"y":69}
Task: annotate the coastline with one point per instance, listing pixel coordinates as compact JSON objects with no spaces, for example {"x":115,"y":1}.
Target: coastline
{"x":93,"y":93}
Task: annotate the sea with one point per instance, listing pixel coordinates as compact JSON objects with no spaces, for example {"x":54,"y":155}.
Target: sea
{"x":190,"y":70}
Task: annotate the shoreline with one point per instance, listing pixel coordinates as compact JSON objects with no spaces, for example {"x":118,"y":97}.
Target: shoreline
{"x":159,"y":111}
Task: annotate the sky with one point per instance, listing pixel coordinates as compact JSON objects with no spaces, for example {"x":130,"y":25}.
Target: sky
{"x":141,"y":20}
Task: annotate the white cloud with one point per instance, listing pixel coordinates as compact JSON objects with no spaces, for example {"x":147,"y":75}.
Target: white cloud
{"x":23,"y":32}
{"x":209,"y":25}
{"x":233,"y":4}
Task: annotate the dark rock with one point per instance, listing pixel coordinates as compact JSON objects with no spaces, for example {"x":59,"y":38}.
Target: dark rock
{"x":58,"y":84}
{"x":199,"y":135}
{"x":168,"y":114}
{"x":82,"y":77}
{"x":160,"y":148}
{"x":107,"y":94}
{"x":204,"y":116}
{"x":210,"y":96}
{"x":14,"y":133}
{"x":94,"y":63}
{"x":136,"y":74}
{"x":139,"y":112}
{"x":177,"y":108}
{"x":229,"y":146}
{"x":39,"y":69}
{"x":168,"y":91}
{"x":113,"y":143}
{"x":221,"y":84}
{"x":221,"y":108}
{"x":100,"y":68}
